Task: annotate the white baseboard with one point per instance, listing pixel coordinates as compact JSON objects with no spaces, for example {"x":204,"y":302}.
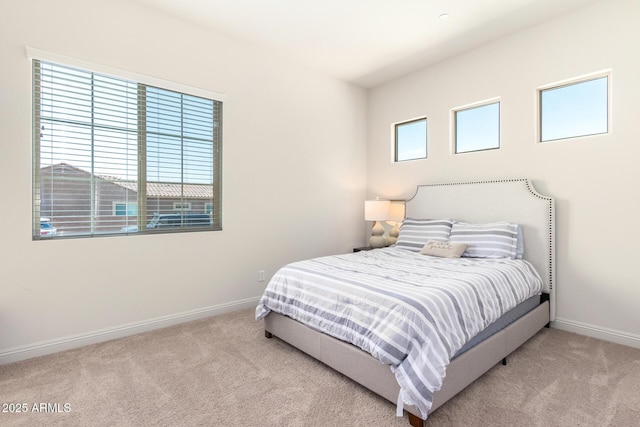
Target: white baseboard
{"x":66,"y":343}
{"x":599,"y":332}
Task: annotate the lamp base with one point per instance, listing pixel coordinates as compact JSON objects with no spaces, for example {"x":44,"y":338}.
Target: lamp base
{"x":377,"y":239}
{"x":393,"y":235}
{"x":377,"y":242}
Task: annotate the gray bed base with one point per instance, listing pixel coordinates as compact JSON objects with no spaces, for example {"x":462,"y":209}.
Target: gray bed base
{"x":513,"y":200}
{"x":377,"y":377}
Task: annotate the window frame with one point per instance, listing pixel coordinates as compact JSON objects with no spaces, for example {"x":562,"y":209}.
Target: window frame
{"x":394,"y":133}
{"x":217,"y":164}
{"x":183,"y":206}
{"x":472,"y":106}
{"x":128,"y":206}
{"x":572,"y":82}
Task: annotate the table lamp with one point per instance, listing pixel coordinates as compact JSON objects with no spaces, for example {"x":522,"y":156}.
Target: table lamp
{"x":377,"y":210}
{"x":396,"y":216}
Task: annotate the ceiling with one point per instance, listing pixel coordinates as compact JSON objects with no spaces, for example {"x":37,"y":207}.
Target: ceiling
{"x":366,"y":42}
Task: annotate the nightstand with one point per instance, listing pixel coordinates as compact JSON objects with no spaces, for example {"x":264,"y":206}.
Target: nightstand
{"x":362,"y":248}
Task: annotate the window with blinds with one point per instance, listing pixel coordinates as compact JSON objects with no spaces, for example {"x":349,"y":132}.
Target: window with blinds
{"x":115,"y":156}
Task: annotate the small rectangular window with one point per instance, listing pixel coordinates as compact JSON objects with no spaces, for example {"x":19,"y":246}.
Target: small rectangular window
{"x":125,"y":209}
{"x":576,"y":109}
{"x":477,"y":128}
{"x":182,"y":206}
{"x":410,"y":140}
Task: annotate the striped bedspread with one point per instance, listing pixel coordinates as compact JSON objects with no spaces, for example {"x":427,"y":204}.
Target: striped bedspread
{"x":411,"y":311}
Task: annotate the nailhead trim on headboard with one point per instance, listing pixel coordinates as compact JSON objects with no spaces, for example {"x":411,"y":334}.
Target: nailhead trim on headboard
{"x":533,"y":191}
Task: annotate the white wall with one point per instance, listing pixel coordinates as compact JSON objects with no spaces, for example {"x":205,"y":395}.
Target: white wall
{"x":294,"y":155}
{"x":594,"y":180}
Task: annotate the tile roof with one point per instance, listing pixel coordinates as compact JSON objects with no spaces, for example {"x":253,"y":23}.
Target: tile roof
{"x":166,"y":189}
{"x":154,"y":189}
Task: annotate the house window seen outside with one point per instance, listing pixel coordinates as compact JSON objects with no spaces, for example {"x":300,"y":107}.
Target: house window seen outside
{"x":125,"y":209}
{"x":185,"y":206}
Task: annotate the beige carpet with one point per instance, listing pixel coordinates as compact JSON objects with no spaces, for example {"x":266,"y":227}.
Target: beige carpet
{"x":221,"y":371}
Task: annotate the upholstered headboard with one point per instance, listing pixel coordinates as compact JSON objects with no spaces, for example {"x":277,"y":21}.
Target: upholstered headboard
{"x":512,"y":200}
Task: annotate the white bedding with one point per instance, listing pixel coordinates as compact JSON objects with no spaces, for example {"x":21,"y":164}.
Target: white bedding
{"x":411,"y":311}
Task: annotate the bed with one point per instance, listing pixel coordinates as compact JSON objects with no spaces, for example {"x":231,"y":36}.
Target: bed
{"x":479,"y":344}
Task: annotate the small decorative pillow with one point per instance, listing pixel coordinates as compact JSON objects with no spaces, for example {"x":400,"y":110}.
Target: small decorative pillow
{"x":414,"y":233}
{"x":443,"y":249}
{"x":491,"y":240}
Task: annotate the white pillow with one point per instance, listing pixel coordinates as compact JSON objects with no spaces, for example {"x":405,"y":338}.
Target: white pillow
{"x":443,"y":249}
{"x":414,"y":233}
{"x":491,"y":240}
{"x":520,"y":245}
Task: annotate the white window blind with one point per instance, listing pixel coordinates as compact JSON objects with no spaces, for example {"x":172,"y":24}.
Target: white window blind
{"x":102,"y":141}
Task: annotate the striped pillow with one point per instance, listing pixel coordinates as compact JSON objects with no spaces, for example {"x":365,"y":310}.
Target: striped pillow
{"x":492,"y":240}
{"x":414,"y":233}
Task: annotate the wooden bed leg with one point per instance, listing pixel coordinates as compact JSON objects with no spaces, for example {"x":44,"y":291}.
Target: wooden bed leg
{"x":268,"y":334}
{"x":415,"y":420}
{"x":504,"y":362}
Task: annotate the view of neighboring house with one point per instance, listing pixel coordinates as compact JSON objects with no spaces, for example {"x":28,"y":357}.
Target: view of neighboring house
{"x":105,"y":204}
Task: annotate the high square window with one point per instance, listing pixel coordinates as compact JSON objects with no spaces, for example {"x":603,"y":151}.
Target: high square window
{"x":477,"y":127}
{"x":410,"y":140}
{"x":574,"y":109}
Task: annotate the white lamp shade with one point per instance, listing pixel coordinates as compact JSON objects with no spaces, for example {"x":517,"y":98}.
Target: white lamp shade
{"x":396,"y":212}
{"x":376,"y":210}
